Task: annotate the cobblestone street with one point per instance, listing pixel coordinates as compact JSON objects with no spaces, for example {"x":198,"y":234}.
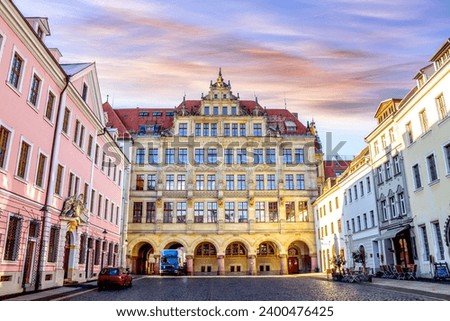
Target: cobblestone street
{"x":252,"y":289}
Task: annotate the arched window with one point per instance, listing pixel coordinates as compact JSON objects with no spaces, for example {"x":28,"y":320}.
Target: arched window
{"x":266,"y":249}
{"x":236,"y":249}
{"x":205,"y":249}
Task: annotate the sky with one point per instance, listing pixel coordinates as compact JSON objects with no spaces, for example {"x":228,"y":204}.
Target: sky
{"x":331,"y":61}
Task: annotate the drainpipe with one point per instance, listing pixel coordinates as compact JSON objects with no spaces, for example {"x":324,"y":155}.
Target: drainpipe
{"x":49,"y":189}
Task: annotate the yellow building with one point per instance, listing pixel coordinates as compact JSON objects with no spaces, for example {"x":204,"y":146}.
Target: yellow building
{"x":228,"y":180}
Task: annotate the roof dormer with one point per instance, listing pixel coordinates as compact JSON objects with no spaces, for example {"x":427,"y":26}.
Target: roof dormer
{"x":40,"y":26}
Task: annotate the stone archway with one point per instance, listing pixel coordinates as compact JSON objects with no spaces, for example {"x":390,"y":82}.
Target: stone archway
{"x":267,"y":258}
{"x":143,"y":262}
{"x":236,"y":258}
{"x":299,"y":259}
{"x":205,"y":259}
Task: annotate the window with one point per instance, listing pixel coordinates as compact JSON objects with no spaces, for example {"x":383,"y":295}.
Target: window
{"x":228,"y":156}
{"x":206,"y":130}
{"x":78,"y":136}
{"x":181,"y":212}
{"x":446,"y":156}
{"x":22,"y":167}
{"x":12,"y":242}
{"x":199,"y":212}
{"x":4,"y":145}
{"x":259,"y":182}
{"x":391,"y":135}
{"x":380,"y":174}
{"x":153,"y":158}
{"x":182,"y":156}
{"x":90,"y":143}
{"x":426,"y":246}
{"x":198,"y":129}
{"x":289,"y":181}
{"x":372,"y":218}
{"x":212,"y":156}
{"x":199,"y":156}
{"x":84,"y":92}
{"x":270,"y":156}
{"x":355,"y":189}
{"x":170,"y":156}
{"x":34,"y":90}
{"x":168,"y":212}
{"x":99,"y":205}
{"x":432,"y":170}
{"x":387,"y":169}
{"x":401,"y":203}
{"x":300,"y":181}
{"x":106,"y":209}
{"x":242,"y":130}
{"x":423,"y":120}
{"x":58,"y":181}
{"x":137,"y":212}
{"x":299,"y":156}
{"x":229,"y":212}
{"x":287,"y":156}
{"x":151,"y":182}
{"x":212,"y":212}
{"x":258,"y":156}
{"x":97,"y":150}
{"x":365,"y":226}
{"x":241,"y":183}
{"x":376,"y":148}
{"x":337,"y":202}
{"x":384,"y":210}
{"x":442,"y":109}
{"x":181,"y":182}
{"x":229,"y":182}
{"x":16,"y":71}
{"x":358,"y":218}
{"x":273,"y":211}
{"x":260,"y":211}
{"x":234,"y":130}
{"x":140,"y":182}
{"x":225,"y":110}
{"x":213,"y":130}
{"x":140,"y":156}
{"x":409,"y":134}
{"x":361,"y":188}
{"x":226,"y":130}
{"x":242,"y":156}
{"x":50,"y":106}
{"x":53,"y":244}
{"x":392,"y":206}
{"x":396,"y":164}
{"x":440,"y":245}
{"x":211,"y":182}
{"x":182,"y":129}
{"x":368,"y":184}
{"x":65,"y":125}
{"x":170,"y":182}
{"x":206,"y":110}
{"x":271,"y":182}
{"x":40,"y":171}
{"x":233,"y":110}
{"x":257,"y":130}
{"x":243,"y":212}
{"x":290,"y":211}
{"x":199,"y":182}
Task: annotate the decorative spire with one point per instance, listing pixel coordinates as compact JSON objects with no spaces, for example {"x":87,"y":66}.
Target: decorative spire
{"x":220,"y":79}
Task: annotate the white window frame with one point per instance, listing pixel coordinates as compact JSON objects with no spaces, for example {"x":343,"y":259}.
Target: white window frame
{"x":30,"y":154}
{"x":446,"y":157}
{"x":430,"y":181}
{"x":34,"y":72}
{"x":44,"y":170}
{"x":8,"y":146}
{"x":24,"y":66}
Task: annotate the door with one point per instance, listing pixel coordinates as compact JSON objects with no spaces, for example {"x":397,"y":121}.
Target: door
{"x":292,"y":265}
{"x":29,"y":262}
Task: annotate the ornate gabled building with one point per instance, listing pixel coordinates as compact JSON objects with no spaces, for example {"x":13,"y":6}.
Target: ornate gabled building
{"x":228,"y":180}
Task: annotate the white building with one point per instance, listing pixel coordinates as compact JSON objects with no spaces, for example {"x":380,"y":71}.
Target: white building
{"x":424,"y":125}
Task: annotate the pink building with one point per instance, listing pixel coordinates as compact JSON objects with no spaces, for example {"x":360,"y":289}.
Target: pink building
{"x":61,"y":170}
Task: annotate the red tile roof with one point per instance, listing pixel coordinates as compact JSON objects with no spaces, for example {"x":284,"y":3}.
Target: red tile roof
{"x":129,"y":120}
{"x":333,"y":167}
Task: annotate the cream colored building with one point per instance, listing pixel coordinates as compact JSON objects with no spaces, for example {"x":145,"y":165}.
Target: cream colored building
{"x":228,"y":180}
{"x":424,"y":125}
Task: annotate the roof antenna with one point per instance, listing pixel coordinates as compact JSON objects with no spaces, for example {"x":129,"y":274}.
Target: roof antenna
{"x":285,"y":104}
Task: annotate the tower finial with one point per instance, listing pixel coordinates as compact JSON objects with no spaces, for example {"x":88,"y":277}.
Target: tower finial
{"x":220,"y":71}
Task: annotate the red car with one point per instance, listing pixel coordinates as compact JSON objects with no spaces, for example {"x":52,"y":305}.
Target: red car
{"x":114,"y":277}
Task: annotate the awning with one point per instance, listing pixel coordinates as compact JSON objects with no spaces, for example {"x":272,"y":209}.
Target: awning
{"x":389,"y":234}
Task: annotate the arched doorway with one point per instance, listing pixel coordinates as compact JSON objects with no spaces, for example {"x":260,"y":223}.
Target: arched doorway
{"x":267,"y":261}
{"x":236,"y":258}
{"x":144,"y":262}
{"x":299,"y":260}
{"x":205,"y":258}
